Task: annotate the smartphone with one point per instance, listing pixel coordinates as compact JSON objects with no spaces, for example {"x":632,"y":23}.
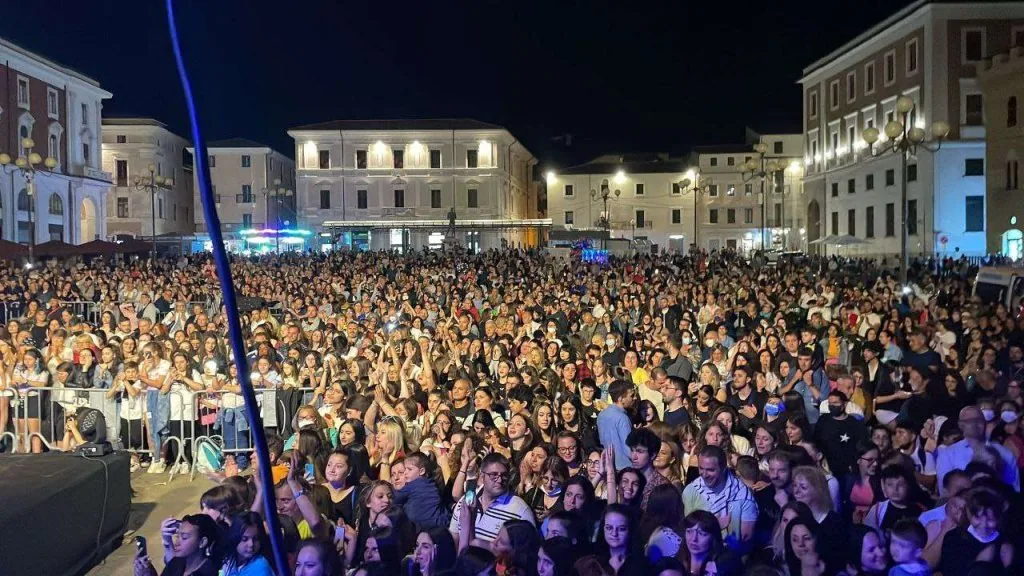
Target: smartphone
{"x":140,"y":545}
{"x":471,"y":496}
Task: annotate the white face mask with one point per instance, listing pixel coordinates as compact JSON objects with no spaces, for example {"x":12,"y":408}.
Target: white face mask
{"x":609,"y":343}
{"x":709,"y":342}
{"x":306,"y":422}
{"x":686,"y":341}
{"x":989,"y":415}
{"x":1008,"y":416}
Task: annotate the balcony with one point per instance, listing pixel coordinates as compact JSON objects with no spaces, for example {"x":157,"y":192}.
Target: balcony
{"x":97,"y":174}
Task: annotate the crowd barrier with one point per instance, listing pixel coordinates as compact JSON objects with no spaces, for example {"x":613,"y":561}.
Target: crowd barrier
{"x":192,"y":418}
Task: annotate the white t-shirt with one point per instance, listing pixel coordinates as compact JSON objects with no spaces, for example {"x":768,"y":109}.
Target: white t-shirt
{"x":183,"y":406}
{"x":132,"y":408}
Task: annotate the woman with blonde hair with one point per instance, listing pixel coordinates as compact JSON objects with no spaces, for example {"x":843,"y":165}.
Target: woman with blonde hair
{"x":389,"y":443}
{"x":810,"y":487}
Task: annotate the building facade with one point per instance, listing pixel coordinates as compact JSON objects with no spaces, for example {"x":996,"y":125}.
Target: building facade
{"x":130,"y":146}
{"x":59,"y":110}
{"x":253,"y":186}
{"x":1001,"y":79}
{"x":736,"y":212}
{"x":412,"y":184}
{"x":928,"y":53}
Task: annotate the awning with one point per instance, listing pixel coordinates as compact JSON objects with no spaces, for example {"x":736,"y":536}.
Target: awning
{"x":12,"y":250}
{"x":463,"y":225}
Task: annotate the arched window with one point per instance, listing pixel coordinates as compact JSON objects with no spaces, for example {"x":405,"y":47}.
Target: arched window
{"x":24,"y":203}
{"x":56,"y":205}
{"x":1011,"y":112}
{"x":25,"y":123}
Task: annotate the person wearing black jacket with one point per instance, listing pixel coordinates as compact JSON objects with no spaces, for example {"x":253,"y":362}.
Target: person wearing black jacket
{"x":838,"y":434}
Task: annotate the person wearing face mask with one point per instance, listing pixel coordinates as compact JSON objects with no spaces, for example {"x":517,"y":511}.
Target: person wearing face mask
{"x":676,"y":363}
{"x":958,"y":455}
{"x":613,"y":353}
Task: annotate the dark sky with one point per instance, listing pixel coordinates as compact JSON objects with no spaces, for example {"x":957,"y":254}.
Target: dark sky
{"x":619,"y":76}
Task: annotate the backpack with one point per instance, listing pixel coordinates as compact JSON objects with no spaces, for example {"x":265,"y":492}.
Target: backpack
{"x":209,"y":456}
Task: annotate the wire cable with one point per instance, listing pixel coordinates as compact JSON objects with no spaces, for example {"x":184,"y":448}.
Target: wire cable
{"x":220,"y":258}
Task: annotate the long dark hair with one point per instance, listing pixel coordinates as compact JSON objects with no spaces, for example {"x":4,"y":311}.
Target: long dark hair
{"x":855,"y":548}
{"x":630,"y":514}
{"x":791,"y":560}
{"x":236,"y":531}
{"x":445,"y":553}
{"x":525,"y":542}
{"x":664,"y":508}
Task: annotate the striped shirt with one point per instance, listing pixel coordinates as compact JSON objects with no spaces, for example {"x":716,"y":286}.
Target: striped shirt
{"x":506,"y":507}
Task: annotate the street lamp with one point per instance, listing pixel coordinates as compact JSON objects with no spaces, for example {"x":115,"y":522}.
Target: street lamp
{"x":27,"y":165}
{"x":696,"y":185}
{"x":764,"y":169}
{"x":904,"y":140}
{"x":605,"y":194}
{"x":277,"y":191}
{"x":151,"y":184}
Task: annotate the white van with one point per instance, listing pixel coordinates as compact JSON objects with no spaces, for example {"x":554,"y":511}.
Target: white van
{"x":1000,"y":284}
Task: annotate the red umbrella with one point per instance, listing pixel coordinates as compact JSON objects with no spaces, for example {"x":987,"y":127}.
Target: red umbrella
{"x":12,"y":250}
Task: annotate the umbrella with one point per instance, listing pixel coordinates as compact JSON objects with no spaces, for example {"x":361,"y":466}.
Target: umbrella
{"x":96,"y":247}
{"x":133,"y":246}
{"x":55,"y":248}
{"x":847,"y":240}
{"x":826,"y":240}
{"x":12,"y":250}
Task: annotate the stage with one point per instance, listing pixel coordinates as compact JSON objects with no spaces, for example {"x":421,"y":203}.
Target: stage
{"x":61,"y":513}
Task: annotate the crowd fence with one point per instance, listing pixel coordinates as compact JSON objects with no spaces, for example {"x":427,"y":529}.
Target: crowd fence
{"x":92,"y":312}
{"x":37,"y":418}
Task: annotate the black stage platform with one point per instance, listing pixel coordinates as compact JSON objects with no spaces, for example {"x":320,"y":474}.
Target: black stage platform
{"x":61,"y":513}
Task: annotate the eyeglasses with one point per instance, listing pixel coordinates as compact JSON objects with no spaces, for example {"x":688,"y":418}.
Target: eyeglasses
{"x":497,"y":476}
{"x":593,"y":462}
{"x":567,"y":449}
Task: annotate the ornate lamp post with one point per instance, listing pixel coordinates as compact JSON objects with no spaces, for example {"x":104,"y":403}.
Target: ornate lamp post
{"x":151,"y":184}
{"x":904,"y":140}
{"x":697,"y":186}
{"x":764,"y":169}
{"x":605,"y":194}
{"x":27,"y":166}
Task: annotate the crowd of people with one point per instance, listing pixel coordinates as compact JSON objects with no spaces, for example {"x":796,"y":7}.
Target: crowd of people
{"x":514,"y":413}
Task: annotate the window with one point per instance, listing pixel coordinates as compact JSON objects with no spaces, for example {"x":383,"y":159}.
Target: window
{"x":973,"y":45}
{"x":122,"y":139}
{"x":472,"y":198}
{"x":777,"y":147}
{"x":851,"y":221}
{"x":52,"y":103}
{"x":851,"y":86}
{"x":676,"y":189}
{"x":713,"y":190}
{"x":86,"y":153}
{"x":641,"y":219}
{"x":1011,"y":175}
{"x":777,"y":214}
{"x":1011,"y":112}
{"x":974,"y":110}
{"x":639,"y":191}
{"x":869,"y":78}
{"x":361,"y":202}
{"x":889,"y":67}
{"x":435,"y":198}
{"x":869,"y":222}
{"x":471,"y":158}
{"x":890,"y":177}
{"x":122,"y":207}
{"x":833,"y":95}
{"x":24,"y":202}
{"x":56,"y":205}
{"x":56,"y":232}
{"x":912,"y":173}
{"x":85,"y":116}
{"x":399,"y":198}
{"x":1017,"y":36}
{"x":835,"y":189}
{"x":361,"y":159}
{"x":246,"y":220}
{"x":435,"y":159}
{"x":890,"y":220}
{"x":748,"y":189}
{"x":869,"y":182}
{"x":325,"y":199}
{"x":398,"y":158}
{"x":812,"y":104}
{"x":730,"y":190}
{"x":714,"y":161}
{"x":160,"y":208}
{"x":270,"y":163}
{"x":748,"y":215}
{"x":911,"y":217}
{"x":569,"y":217}
{"x":851,"y":186}
{"x":213,"y":161}
{"x":835,"y":223}
{"x":247,"y":161}
{"x":974,"y":167}
{"x":246,"y":196}
{"x":912,"y":57}
{"x":730,"y":216}
{"x":713,"y":216}
{"x":851,"y":138}
{"x":121,"y":167}
{"x":568,"y":190}
{"x":730,"y":161}
{"x":677,"y":216}
{"x":974,"y":213}
{"x":23,"y":92}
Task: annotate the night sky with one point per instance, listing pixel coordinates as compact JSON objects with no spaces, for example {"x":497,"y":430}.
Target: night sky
{"x":616,"y":76}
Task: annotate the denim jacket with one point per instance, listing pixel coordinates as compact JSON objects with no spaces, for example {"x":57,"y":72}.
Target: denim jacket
{"x":232,"y":415}
{"x":158,"y":405}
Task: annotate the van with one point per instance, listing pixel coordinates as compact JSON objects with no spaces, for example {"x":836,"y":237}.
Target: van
{"x":1000,"y":285}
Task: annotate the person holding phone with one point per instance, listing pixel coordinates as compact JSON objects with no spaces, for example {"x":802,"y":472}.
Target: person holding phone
{"x":190,"y":545}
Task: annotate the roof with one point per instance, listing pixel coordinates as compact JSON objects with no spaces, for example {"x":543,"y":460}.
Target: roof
{"x":129,"y":121}
{"x":631,"y":164}
{"x":49,"y":62}
{"x":880,"y":27}
{"x":402,"y":124}
{"x":235,"y":143}
{"x":724,"y":149}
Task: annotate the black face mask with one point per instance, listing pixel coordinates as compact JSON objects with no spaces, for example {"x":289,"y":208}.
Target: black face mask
{"x":836,"y":410}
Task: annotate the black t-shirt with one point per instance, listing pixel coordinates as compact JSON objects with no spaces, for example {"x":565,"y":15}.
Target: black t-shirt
{"x":462,"y":413}
{"x":838,"y":441}
{"x":924,"y":361}
{"x":176,"y":567}
{"x":755,"y":399}
{"x":677,"y":418}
